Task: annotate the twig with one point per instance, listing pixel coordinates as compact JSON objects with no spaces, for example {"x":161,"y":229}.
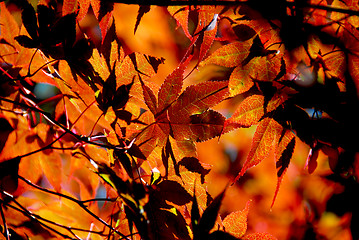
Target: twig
{"x":54,"y":122}
{"x":78,"y":202}
{"x":6,"y":231}
{"x":30,"y":215}
{"x":228,"y":3}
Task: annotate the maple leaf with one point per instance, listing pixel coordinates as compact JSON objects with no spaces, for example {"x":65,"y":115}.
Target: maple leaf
{"x":251,"y":110}
{"x":262,"y":141}
{"x":202,"y":225}
{"x":180,"y":13}
{"x":229,"y":55}
{"x":283,"y":154}
{"x":183,"y":115}
{"x":141,"y":11}
{"x":235,"y":223}
{"x":103,"y":12}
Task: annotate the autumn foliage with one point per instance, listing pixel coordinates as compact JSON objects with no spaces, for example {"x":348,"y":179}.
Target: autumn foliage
{"x":157,"y":116}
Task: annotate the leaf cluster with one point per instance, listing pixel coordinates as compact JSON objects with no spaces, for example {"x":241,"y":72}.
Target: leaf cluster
{"x":109,"y":127}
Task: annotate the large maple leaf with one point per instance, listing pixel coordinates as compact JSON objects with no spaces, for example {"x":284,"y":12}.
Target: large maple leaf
{"x":186,"y":116}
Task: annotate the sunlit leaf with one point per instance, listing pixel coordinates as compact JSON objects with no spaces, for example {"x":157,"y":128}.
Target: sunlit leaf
{"x":201,"y":127}
{"x":283,"y":154}
{"x":229,"y":55}
{"x":262,"y":141}
{"x":251,"y":110}
{"x":150,"y":98}
{"x":240,"y":81}
{"x":180,"y":13}
{"x":171,"y":88}
{"x":236,"y":222}
{"x":196,"y":99}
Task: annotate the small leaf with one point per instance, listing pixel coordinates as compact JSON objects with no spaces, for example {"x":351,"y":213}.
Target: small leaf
{"x":150,"y":98}
{"x":240,"y":80}
{"x":285,"y":157}
{"x":141,"y":11}
{"x":29,"y":20}
{"x":283,"y":154}
{"x":251,"y":110}
{"x":236,"y":222}
{"x":26,"y":42}
{"x":194,"y":165}
{"x":69,"y":6}
{"x":9,"y":175}
{"x":195,"y":217}
{"x":229,"y":55}
{"x":154,"y":61}
{"x":181,"y":13}
{"x":174,"y":192}
{"x":171,"y":87}
{"x":262,"y":141}
{"x":210,"y":215}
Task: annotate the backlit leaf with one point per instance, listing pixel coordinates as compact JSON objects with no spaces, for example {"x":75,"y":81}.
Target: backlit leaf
{"x":103,"y":12}
{"x":51,"y":165}
{"x":150,"y":98}
{"x":240,"y":80}
{"x":180,"y":13}
{"x":235,"y":223}
{"x":251,"y":110}
{"x":194,"y":165}
{"x":196,"y":99}
{"x":201,"y":127}
{"x":262,"y":141}
{"x":69,"y":6}
{"x":283,"y":154}
{"x":229,"y":55}
{"x":171,"y":88}
{"x":131,"y":66}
